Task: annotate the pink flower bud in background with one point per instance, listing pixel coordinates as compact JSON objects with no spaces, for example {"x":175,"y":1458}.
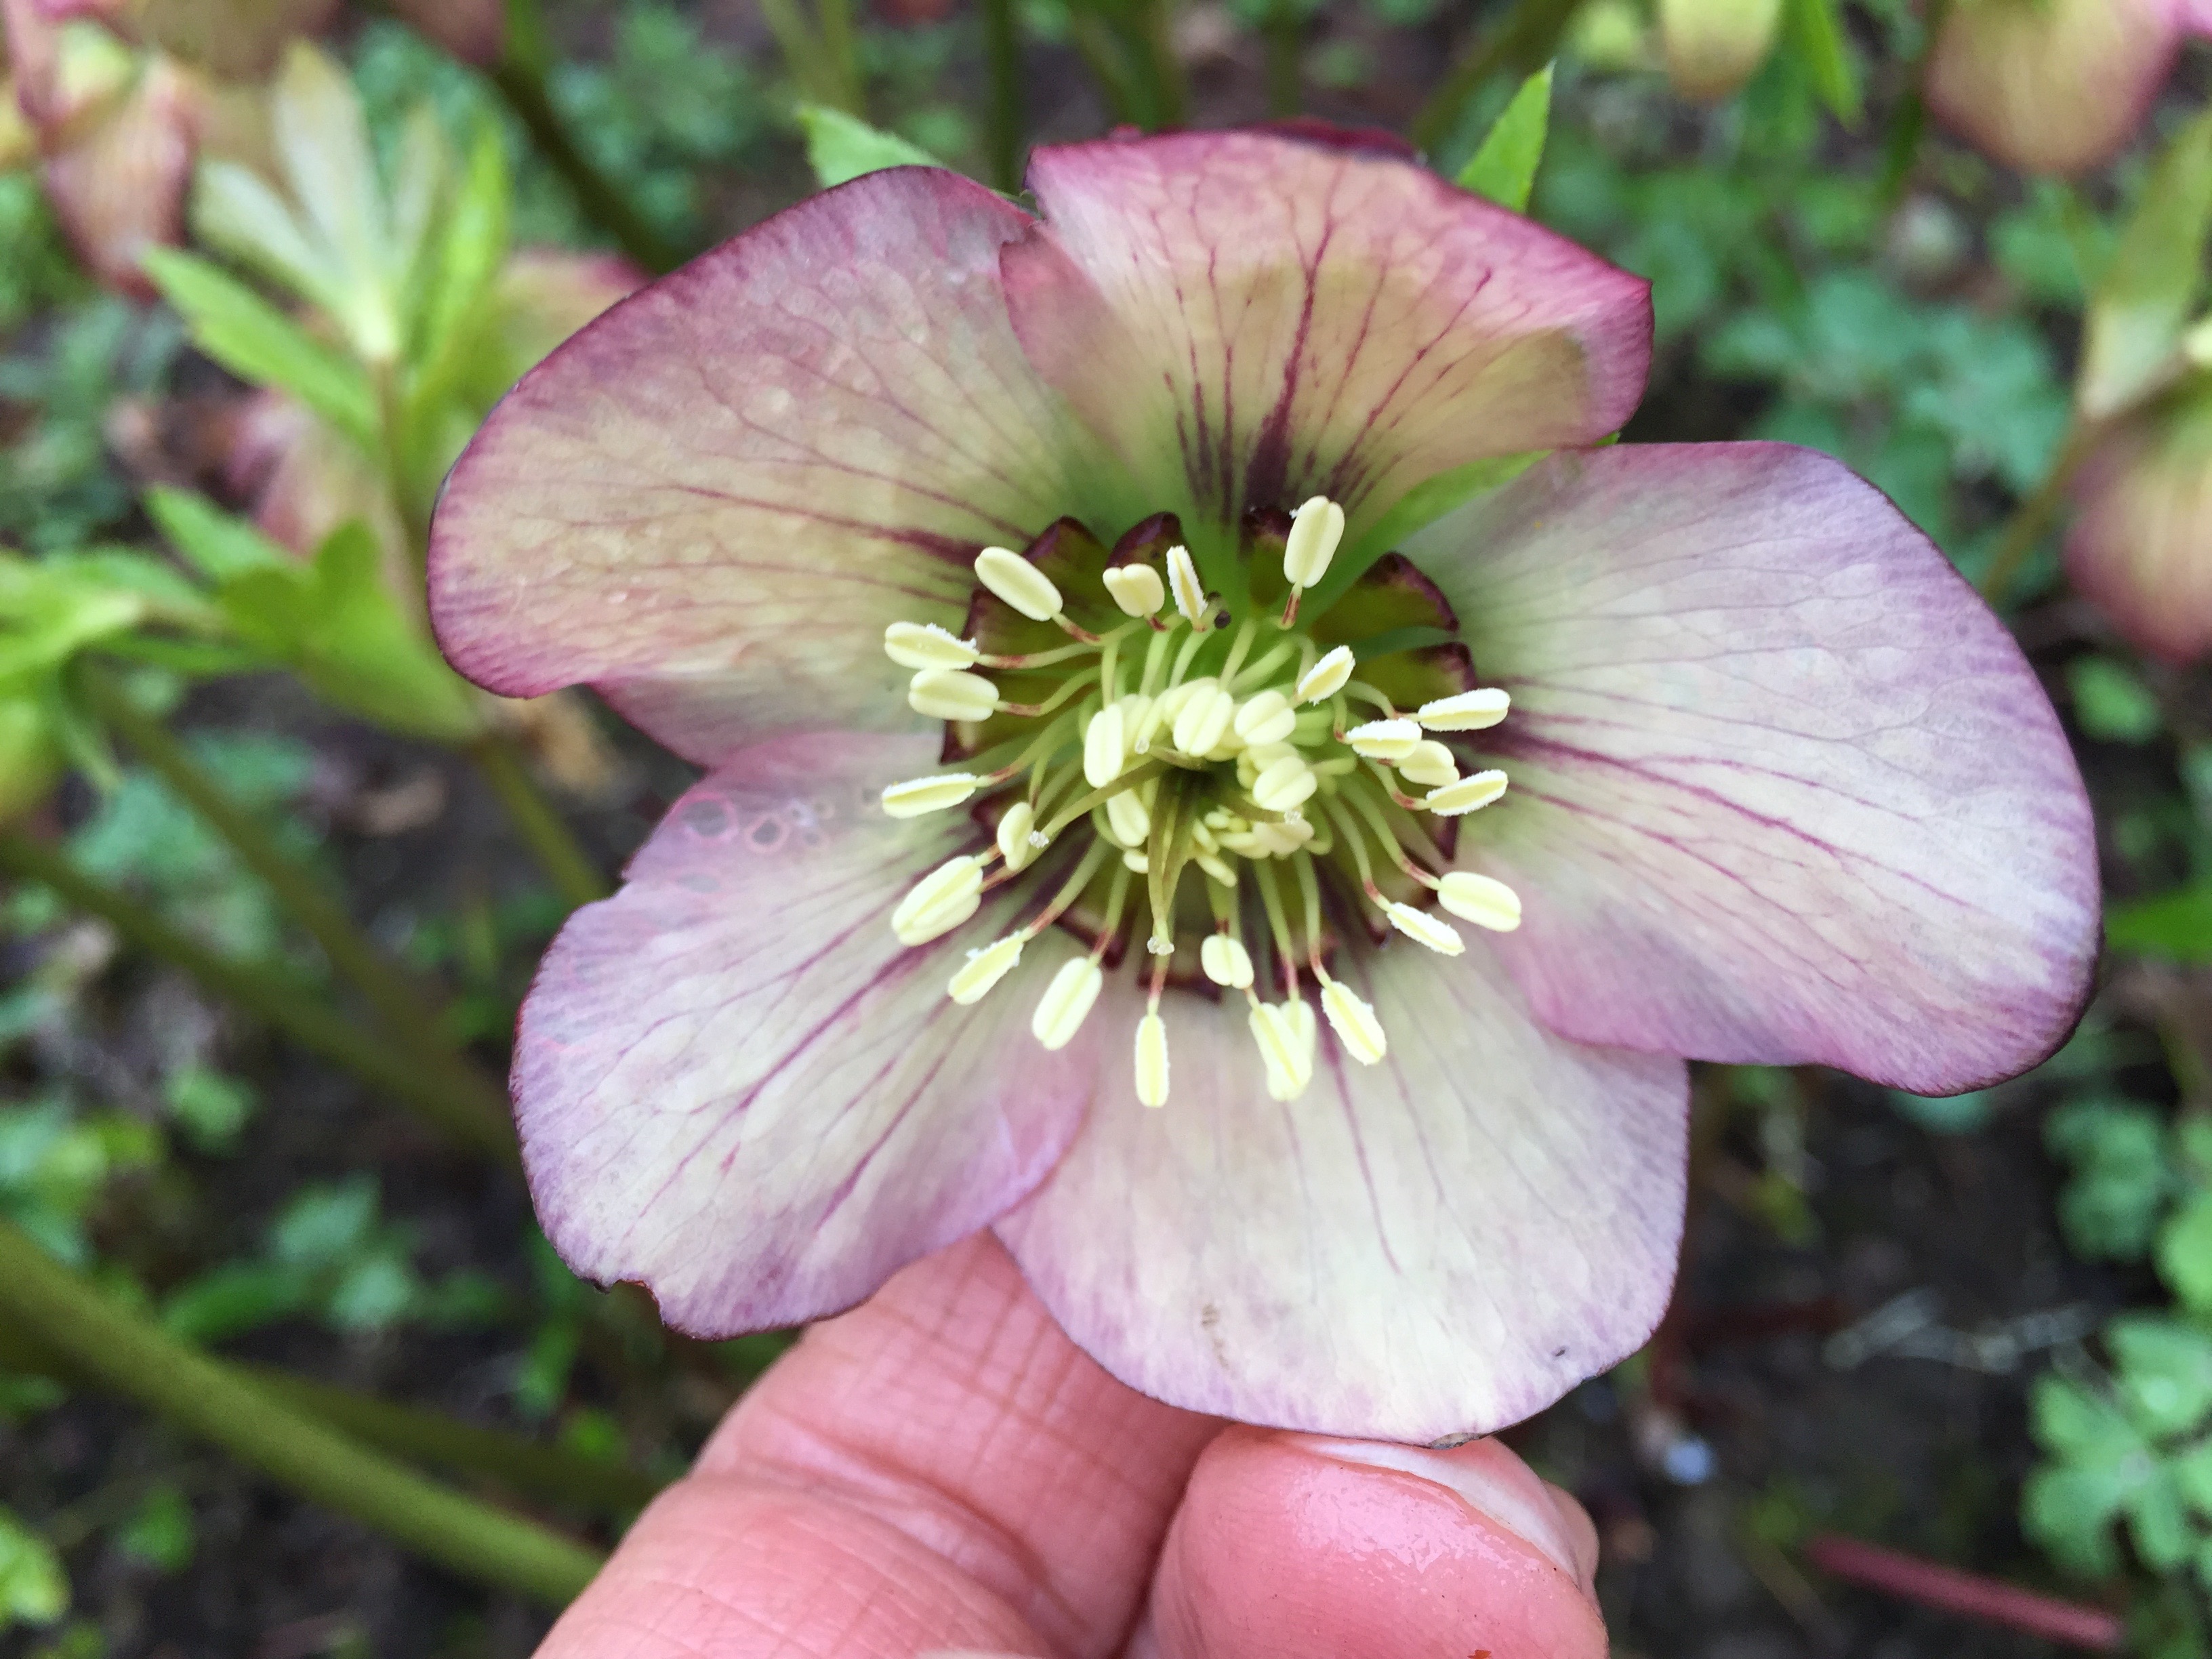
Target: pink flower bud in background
{"x":2141,"y":546}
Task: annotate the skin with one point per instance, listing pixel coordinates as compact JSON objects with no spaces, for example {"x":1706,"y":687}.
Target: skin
{"x":941,"y":1471}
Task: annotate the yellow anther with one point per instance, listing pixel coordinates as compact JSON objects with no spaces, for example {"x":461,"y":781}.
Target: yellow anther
{"x":1067,"y":1002}
{"x":1289,"y":782}
{"x":1468,"y":711}
{"x":925,"y":645}
{"x":1326,"y":678}
{"x":1354,"y":1022}
{"x":939,"y":902}
{"x":974,"y":977}
{"x":1385,"y":740}
{"x":1105,"y":748}
{"x":1203,"y":720}
{"x":1225,"y":961}
{"x":1153,"y":1060}
{"x":1316,"y":528}
{"x":1481,"y":900}
{"x":1128,"y":817}
{"x":1430,"y":765}
{"x":952,"y":695}
{"x":1015,"y":824}
{"x":1476,"y":789}
{"x":1137,"y":588}
{"x":1265,"y":718}
{"x":1019,"y":583}
{"x":1189,"y":592}
{"x":916,"y":796}
{"x":1423,"y":928}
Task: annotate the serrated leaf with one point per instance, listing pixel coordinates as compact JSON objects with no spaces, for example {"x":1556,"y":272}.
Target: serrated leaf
{"x":258,"y":342}
{"x":1504,"y":168}
{"x":2131,"y":338}
{"x":2069,"y":1512}
{"x":2176,"y":926}
{"x":842,"y":147}
{"x":2082,"y":1427}
{"x":1816,"y":32}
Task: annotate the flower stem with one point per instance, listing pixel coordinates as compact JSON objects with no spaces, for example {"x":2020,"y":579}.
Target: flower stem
{"x":409,"y":1432}
{"x":841,"y":55}
{"x":520,"y":78}
{"x":136,"y":1358}
{"x":2033,"y":517}
{"x":1527,"y":38}
{"x":469,"y":1111}
{"x":575,"y":877}
{"x":1932,"y":1584}
{"x":1285,"y":30}
{"x":1005,"y":118}
{"x":396,"y":1002}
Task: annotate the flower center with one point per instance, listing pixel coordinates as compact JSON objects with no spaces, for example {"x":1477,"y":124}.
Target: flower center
{"x":1214,"y":776}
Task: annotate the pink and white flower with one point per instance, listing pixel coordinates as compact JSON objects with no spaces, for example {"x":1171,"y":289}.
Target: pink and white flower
{"x":1162,"y":805}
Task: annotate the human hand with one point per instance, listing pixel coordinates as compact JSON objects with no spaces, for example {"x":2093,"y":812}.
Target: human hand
{"x":942,"y":1469}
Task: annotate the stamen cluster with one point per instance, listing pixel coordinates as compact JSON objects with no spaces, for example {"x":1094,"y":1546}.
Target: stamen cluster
{"x":1199,"y":779}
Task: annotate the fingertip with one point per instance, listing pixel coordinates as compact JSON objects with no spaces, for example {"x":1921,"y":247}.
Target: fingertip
{"x":1295,"y":1547}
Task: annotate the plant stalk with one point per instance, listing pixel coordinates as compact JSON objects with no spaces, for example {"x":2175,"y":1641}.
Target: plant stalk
{"x":472,"y":1116}
{"x":521,"y":83}
{"x":2033,"y":517}
{"x":137,"y":1358}
{"x":575,"y":877}
{"x":1006,"y":118}
{"x":841,"y":53}
{"x":1525,"y":41}
{"x":1285,"y":32}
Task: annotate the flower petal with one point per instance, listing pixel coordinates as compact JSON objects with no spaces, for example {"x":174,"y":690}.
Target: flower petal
{"x":1439,"y":1244}
{"x":2057,"y":87}
{"x":1782,"y":788}
{"x":711,"y":501}
{"x":735,"y":1085}
{"x":2140,"y":545}
{"x":116,"y":179}
{"x":1253,"y":319}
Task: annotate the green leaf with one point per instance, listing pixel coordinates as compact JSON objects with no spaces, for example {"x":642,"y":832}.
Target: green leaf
{"x":2111,"y":702}
{"x":33,"y":1588}
{"x":233,"y":1298}
{"x":1504,"y":168}
{"x":335,"y":624}
{"x":842,"y":147}
{"x":2185,"y":1252}
{"x":467,"y":254}
{"x":2069,"y":1511}
{"x":2131,"y":338}
{"x":2122,"y":1175}
{"x":220,"y":546}
{"x":2165,"y":1371}
{"x":2177,"y":926}
{"x":159,"y":1531}
{"x":1816,"y":32}
{"x":255,"y":342}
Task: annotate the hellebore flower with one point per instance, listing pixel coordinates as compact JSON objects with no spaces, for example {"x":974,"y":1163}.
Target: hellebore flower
{"x":2140,"y":547}
{"x":2055,"y":86}
{"x":1010,"y":572}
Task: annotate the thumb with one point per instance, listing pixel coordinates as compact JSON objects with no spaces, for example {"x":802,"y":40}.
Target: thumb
{"x":1294,"y":1546}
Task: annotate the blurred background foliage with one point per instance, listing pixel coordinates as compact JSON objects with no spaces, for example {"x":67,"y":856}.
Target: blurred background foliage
{"x":278,"y":877}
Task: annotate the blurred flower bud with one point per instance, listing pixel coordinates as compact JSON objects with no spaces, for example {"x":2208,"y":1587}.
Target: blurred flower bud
{"x":2140,"y":545}
{"x":2052,"y":85}
{"x":1713,"y":46}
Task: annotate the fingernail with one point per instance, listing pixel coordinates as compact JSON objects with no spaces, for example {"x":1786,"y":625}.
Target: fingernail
{"x":1487,"y":1478}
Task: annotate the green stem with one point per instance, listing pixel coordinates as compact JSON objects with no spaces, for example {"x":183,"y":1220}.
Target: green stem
{"x":1284,"y":43}
{"x":841,"y":53}
{"x":2033,"y":519}
{"x":1005,"y":118}
{"x":396,"y":1002}
{"x":1526,"y":40}
{"x":137,"y":1358}
{"x":409,"y":1432}
{"x":1168,"y":93}
{"x":575,"y":877}
{"x":474,"y":1116}
{"x":521,"y":83}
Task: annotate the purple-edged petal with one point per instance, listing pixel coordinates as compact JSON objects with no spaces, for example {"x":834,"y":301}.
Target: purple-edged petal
{"x":2140,"y":545}
{"x":1439,"y":1244}
{"x":2049,"y":86}
{"x":711,"y":501}
{"x":1252,"y":318}
{"x":1782,"y":788}
{"x":735,"y":1085}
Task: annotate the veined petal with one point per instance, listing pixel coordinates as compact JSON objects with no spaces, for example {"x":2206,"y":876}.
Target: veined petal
{"x":1441,"y":1243}
{"x":1783,"y":789}
{"x":711,"y":501}
{"x":735,"y":1085}
{"x":1254,"y":318}
{"x":2140,"y":544}
{"x":2049,"y":86}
